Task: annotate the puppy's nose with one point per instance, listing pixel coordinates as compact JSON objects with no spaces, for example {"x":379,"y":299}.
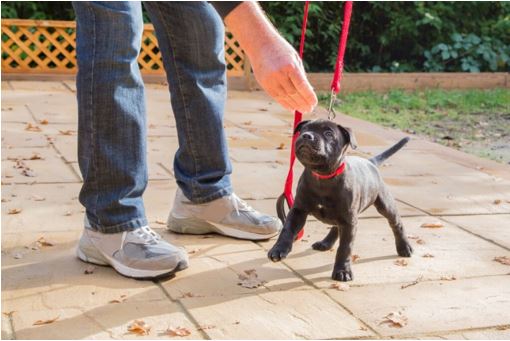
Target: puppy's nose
{"x":308,"y":136}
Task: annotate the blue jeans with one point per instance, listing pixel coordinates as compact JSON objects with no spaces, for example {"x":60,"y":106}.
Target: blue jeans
{"x":111,"y":106}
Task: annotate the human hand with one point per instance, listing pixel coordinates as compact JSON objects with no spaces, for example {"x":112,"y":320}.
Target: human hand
{"x":280,"y":72}
{"x":276,"y":65}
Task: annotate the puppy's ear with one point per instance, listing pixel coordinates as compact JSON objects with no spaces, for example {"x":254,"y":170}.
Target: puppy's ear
{"x":349,"y":136}
{"x":300,"y":126}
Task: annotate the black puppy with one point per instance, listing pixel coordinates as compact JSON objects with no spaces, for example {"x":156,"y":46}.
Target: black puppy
{"x":335,"y":189}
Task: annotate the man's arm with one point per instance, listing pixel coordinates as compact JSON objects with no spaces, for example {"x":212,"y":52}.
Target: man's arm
{"x":276,"y":65}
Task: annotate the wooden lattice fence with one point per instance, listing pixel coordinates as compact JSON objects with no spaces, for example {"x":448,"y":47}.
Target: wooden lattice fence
{"x":42,"y":46}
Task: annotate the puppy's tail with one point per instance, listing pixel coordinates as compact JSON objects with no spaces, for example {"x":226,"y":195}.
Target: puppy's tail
{"x":379,"y":159}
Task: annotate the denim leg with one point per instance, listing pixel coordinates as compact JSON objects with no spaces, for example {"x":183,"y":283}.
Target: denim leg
{"x":111,"y":110}
{"x":191,"y":37}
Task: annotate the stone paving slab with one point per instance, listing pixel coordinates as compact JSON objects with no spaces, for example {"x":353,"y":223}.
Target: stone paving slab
{"x":282,"y":315}
{"x":457,"y":195}
{"x":431,"y":306}
{"x":495,"y":228}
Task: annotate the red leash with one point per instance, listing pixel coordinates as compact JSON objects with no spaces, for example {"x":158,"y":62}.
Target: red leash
{"x":335,"y":88}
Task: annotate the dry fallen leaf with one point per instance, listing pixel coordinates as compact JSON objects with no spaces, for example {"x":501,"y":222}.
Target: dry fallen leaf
{"x":400,"y":262}
{"x":31,"y":127}
{"x":9,"y":313}
{"x":41,"y":322}
{"x":432,"y":225}
{"x":160,"y":222}
{"x":250,"y":279}
{"x":420,"y":241}
{"x":416,"y":281}
{"x":28,"y":172}
{"x":247,"y":123}
{"x":497,"y":202}
{"x":395,"y":320}
{"x":36,"y":156}
{"x":14,"y":211}
{"x":502,"y":259}
{"x":179,"y":331}
{"x":354,"y":258}
{"x":340,"y":286}
{"x":67,"y":132}
{"x":89,"y":270}
{"x":139,"y":327}
{"x":503,"y":327}
{"x":43,"y":122}
{"x":281,"y":146}
{"x":42,"y":242}
{"x":428,"y":255}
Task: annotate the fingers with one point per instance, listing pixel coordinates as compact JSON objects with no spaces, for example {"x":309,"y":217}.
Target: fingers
{"x":291,"y":103}
{"x":296,"y":88}
{"x":298,"y":78}
{"x":291,"y":94}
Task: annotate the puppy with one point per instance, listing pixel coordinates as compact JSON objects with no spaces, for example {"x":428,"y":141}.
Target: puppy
{"x":335,"y":189}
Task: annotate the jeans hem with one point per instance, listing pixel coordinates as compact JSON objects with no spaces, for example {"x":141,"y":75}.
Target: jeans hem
{"x":127,"y":226}
{"x":216,"y":195}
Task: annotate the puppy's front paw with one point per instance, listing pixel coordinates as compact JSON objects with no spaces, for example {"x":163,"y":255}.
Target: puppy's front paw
{"x":342,"y":275}
{"x":278,"y":252}
{"x":404,"y":249}
{"x":322,"y":246}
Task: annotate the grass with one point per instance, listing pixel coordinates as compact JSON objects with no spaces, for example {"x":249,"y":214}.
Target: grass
{"x":476,"y":121}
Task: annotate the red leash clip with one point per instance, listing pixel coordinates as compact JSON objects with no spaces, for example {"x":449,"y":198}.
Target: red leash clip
{"x":335,"y":89}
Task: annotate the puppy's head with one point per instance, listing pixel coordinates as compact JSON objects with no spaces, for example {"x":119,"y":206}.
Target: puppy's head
{"x":321,"y":144}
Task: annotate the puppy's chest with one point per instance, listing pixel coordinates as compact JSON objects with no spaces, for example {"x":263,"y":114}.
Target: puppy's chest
{"x":324,"y":210}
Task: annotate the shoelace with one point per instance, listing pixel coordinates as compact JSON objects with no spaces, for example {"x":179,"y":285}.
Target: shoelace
{"x":146,"y":234}
{"x":240,"y":204}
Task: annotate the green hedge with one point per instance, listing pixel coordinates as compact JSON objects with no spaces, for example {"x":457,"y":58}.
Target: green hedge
{"x":384,"y":36}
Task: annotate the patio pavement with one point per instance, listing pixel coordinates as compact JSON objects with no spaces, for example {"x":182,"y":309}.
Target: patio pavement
{"x":451,"y":288}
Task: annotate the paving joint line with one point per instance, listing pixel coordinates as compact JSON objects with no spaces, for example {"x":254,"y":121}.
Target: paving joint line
{"x":457,"y":226}
{"x":68,"y":87}
{"x":186,"y":312}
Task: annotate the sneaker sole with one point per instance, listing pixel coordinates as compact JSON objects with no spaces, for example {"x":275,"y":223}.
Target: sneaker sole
{"x":127,"y":271}
{"x":196,"y":226}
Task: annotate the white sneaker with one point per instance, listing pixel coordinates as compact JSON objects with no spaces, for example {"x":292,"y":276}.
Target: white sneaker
{"x":228,"y":215}
{"x":140,"y":253}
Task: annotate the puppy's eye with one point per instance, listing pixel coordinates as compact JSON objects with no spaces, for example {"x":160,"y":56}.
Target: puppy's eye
{"x":329,"y":134}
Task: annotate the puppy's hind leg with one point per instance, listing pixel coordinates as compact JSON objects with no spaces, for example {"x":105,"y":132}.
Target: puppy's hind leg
{"x":328,"y":242}
{"x":387,"y":207}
